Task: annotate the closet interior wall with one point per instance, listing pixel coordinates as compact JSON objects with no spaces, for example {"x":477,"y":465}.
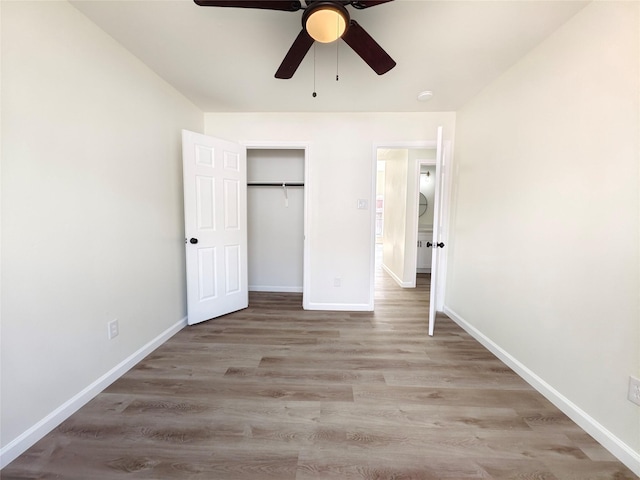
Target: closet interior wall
{"x":275,"y":219}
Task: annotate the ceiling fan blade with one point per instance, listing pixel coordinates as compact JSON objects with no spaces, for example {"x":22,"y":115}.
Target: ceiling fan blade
{"x":295,"y":55}
{"x":364,"y":45}
{"x":286,"y":5}
{"x":360,"y":4}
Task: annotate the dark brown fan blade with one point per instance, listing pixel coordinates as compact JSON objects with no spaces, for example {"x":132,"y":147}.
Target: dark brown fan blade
{"x":295,"y":55}
{"x":360,"y":4}
{"x":286,"y":5}
{"x":364,"y":45}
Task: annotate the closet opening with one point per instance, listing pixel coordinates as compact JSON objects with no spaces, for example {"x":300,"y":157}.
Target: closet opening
{"x":276,"y":220}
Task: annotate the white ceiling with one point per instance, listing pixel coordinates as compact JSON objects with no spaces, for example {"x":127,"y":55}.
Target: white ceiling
{"x":224,"y":59}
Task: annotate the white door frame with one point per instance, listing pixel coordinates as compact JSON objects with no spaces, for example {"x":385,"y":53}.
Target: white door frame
{"x":446,"y":204}
{"x":306,"y":273}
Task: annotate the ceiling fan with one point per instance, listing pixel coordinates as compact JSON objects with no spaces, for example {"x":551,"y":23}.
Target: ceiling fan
{"x":324,"y":21}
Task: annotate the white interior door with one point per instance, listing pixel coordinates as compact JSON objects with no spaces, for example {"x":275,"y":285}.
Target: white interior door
{"x":437,"y":242}
{"x":215,"y":211}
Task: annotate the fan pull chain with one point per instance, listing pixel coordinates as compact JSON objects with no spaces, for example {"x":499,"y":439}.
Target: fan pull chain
{"x":314,"y":94}
{"x":337,"y":58}
{"x":337,"y":48}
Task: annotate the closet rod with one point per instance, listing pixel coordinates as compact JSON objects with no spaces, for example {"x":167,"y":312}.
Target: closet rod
{"x":273,"y":184}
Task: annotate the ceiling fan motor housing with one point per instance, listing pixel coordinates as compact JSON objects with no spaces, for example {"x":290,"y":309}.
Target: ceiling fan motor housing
{"x":316,"y":26}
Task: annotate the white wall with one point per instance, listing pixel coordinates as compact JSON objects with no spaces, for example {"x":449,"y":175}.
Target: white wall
{"x":341,"y":171}
{"x":394,"y":248}
{"x":380,"y":180}
{"x":544,"y":264}
{"x":92,"y":223}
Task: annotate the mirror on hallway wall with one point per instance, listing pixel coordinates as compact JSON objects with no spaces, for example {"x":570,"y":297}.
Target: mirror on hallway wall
{"x":427,"y":189}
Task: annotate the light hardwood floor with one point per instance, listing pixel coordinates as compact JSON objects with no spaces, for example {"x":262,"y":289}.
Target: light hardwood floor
{"x":276,"y":392}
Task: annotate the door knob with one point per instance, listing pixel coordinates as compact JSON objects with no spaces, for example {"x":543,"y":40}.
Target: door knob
{"x":429,"y":244}
{"x":437,"y":245}
{"x":193,"y":241}
{"x":440,"y":245}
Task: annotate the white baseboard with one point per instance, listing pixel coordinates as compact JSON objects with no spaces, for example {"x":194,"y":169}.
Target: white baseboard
{"x":397,"y":279}
{"x":340,"y":307}
{"x":608,"y":440}
{"x":274,"y":288}
{"x":28,"y":438}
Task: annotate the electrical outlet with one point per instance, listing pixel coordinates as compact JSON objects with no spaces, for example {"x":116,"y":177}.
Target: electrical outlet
{"x":112,"y":329}
{"x":634,"y":390}
{"x":337,"y":282}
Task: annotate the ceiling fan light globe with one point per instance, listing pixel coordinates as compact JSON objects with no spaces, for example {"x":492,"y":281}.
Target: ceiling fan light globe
{"x":326,"y":24}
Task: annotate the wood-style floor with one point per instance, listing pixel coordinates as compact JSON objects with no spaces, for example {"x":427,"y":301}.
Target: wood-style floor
{"x":276,"y":392}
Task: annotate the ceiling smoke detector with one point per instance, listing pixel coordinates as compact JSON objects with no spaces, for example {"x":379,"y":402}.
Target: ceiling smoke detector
{"x":424,"y":96}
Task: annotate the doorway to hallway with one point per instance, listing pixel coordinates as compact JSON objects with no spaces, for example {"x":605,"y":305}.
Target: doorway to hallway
{"x":411,"y":202}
